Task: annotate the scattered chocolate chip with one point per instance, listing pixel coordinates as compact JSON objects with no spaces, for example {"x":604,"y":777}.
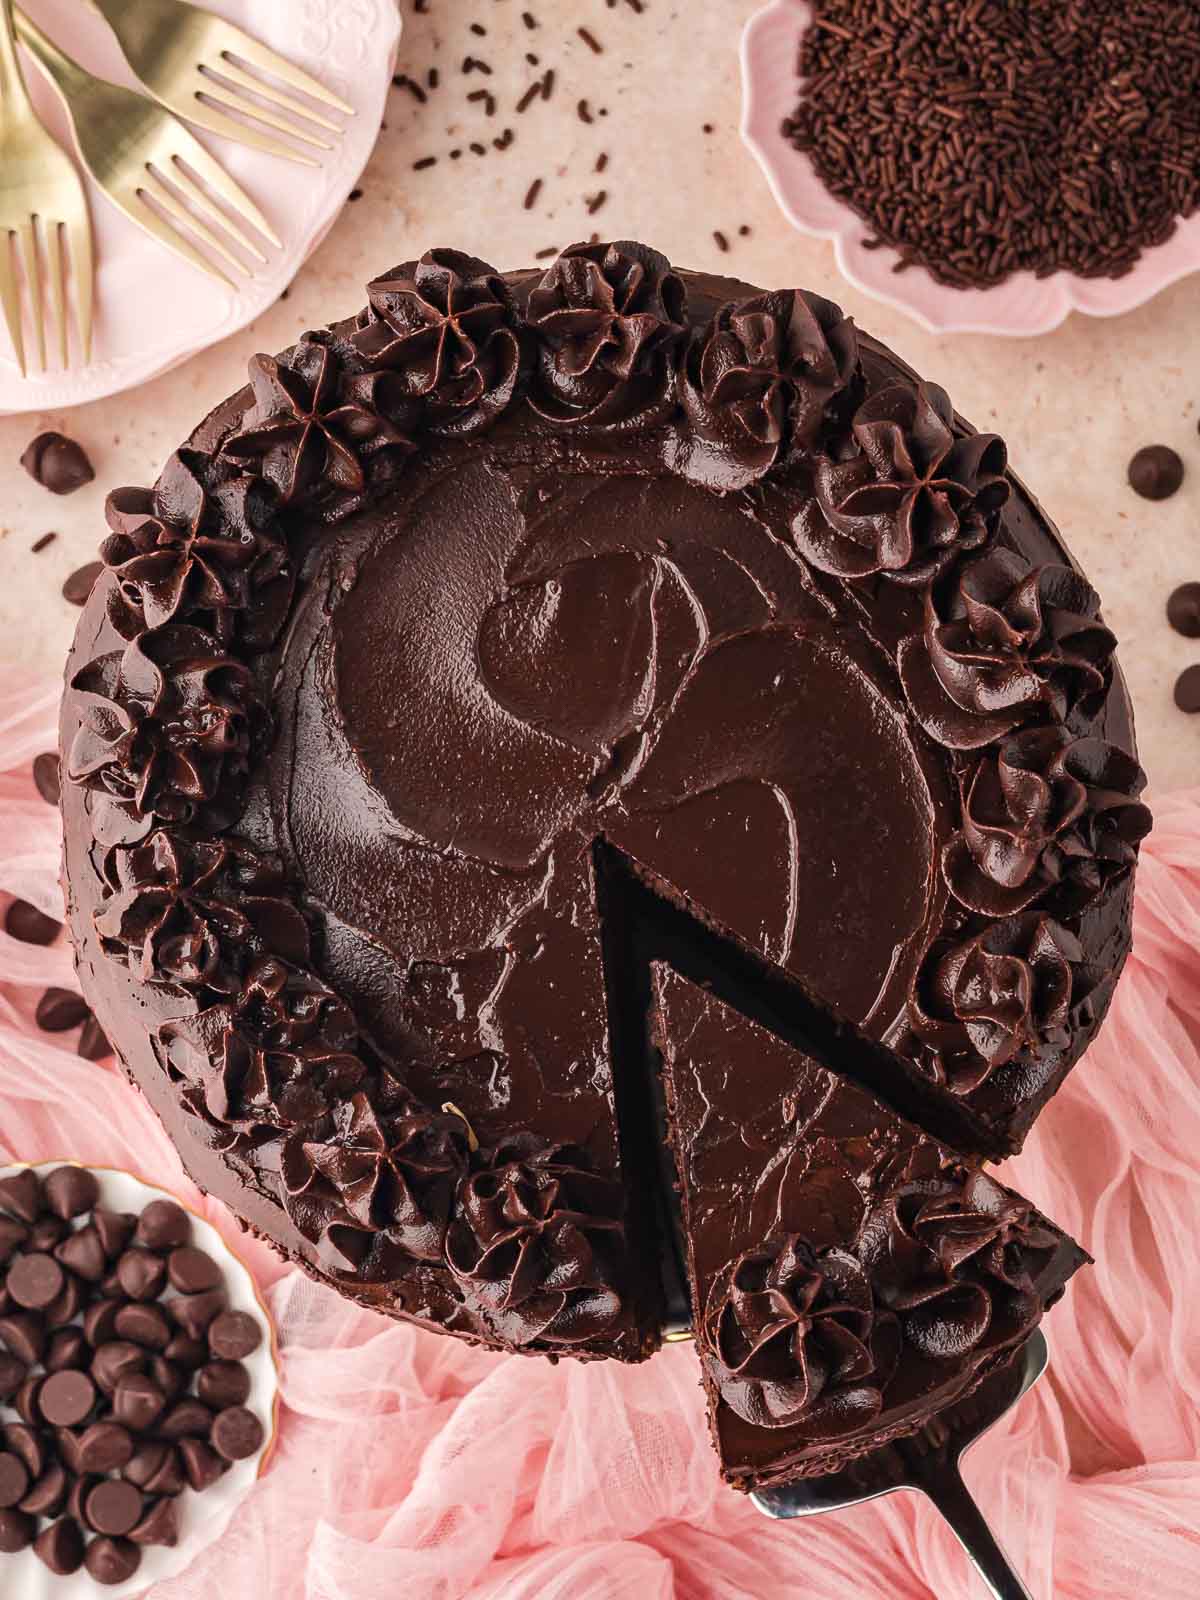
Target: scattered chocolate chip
{"x":111,"y":1561}
{"x":188,"y":1418}
{"x":100,"y":1321}
{"x":21,"y":1195}
{"x":234,"y":1336}
{"x":114,"y":1361}
{"x":23,"y":1335}
{"x":60,"y":1010}
{"x":144,"y":1324}
{"x":160,"y":1525}
{"x":1183,"y":610}
{"x":145,"y":1462}
{"x":236,"y":1433}
{"x":77,"y":1493}
{"x":57,"y":463}
{"x":141,"y":1274}
{"x":194,"y":1312}
{"x":93,"y":1042}
{"x":48,"y":1495}
{"x":47,"y":1233}
{"x":188,"y":1353}
{"x":115,"y":1228}
{"x":14,"y":1481}
{"x":201,"y":1464}
{"x":66,"y":1398}
{"x":170,"y":1379}
{"x":16,"y":1532}
{"x":25,"y":1400}
{"x":67,"y":1443}
{"x":67,"y":1350}
{"x":60,"y":1546}
{"x":46,"y":777}
{"x":105,"y":1447}
{"x":222,"y":1384}
{"x":1155,"y":472}
{"x":31,"y":926}
{"x":163,"y":1225}
{"x":191,"y":1271}
{"x":83,"y":1253}
{"x":70,"y":1191}
{"x":168,"y":1478}
{"x":12,"y":1375}
{"x":13,"y":1235}
{"x":35,"y":1281}
{"x":1187,"y":690}
{"x":67,"y":1306}
{"x":79,"y":584}
{"x":137,"y":1402}
{"x":114,"y":1507}
{"x":26,"y":1443}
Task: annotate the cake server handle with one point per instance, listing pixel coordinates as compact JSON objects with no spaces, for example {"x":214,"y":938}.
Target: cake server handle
{"x":943,"y":1484}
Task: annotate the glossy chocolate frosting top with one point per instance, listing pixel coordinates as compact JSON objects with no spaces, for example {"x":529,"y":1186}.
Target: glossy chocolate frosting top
{"x":506,"y":566}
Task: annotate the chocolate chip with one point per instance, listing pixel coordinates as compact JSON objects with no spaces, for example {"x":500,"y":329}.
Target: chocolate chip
{"x":23,"y":1335}
{"x":57,"y":463}
{"x":35,"y":1281}
{"x":222,"y":1384}
{"x":83,"y":1253}
{"x":31,"y":926}
{"x":201,"y":1464}
{"x":66,"y":1398}
{"x":141,"y":1275}
{"x":145,"y":1462}
{"x":194,"y":1312}
{"x":144,"y":1324}
{"x":16,"y":1532}
{"x":25,"y":1400}
{"x":1155,"y":472}
{"x":115,"y":1228}
{"x":186,"y":1419}
{"x":47,"y":1232}
{"x":236,"y":1433}
{"x":68,"y":1350}
{"x":191,"y":1271}
{"x":78,"y":585}
{"x":47,"y":779}
{"x":59,"y":1010}
{"x":67,"y":1442}
{"x":70,"y":1191}
{"x":12,"y":1375}
{"x":1187,"y":690}
{"x":100,"y":1321}
{"x":234,"y":1335}
{"x":21,"y":1195}
{"x":114,"y":1507}
{"x":26,"y":1443}
{"x":77,"y":1493}
{"x":48,"y":1496}
{"x":93,"y":1042}
{"x":160,"y":1525}
{"x":185,"y":1352}
{"x":13,"y":1235}
{"x":14,"y":1480}
{"x":163,"y":1225}
{"x":105,"y":1447}
{"x":60,"y":1546}
{"x":168,"y":1377}
{"x":138,"y":1402}
{"x":1183,"y":610}
{"x":112,"y":1561}
{"x":114,"y":1361}
{"x":67,"y":1306}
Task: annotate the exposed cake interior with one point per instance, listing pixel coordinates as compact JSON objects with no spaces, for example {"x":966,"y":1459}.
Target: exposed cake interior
{"x":850,"y":1277}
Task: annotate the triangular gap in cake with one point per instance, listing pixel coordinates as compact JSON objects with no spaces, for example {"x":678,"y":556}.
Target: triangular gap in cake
{"x":671,"y":928}
{"x":852,"y":1278}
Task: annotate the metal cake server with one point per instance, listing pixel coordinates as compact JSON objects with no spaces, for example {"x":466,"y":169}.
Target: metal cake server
{"x":929,"y":1462}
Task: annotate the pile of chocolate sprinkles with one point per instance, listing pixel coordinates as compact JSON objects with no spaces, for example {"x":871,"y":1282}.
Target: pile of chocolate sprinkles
{"x":986,"y":137}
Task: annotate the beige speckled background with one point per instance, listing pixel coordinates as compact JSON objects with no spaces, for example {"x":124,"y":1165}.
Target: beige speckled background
{"x":1073,"y":405}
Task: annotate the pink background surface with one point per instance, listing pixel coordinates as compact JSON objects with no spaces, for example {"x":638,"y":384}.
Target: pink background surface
{"x":409,"y":1464}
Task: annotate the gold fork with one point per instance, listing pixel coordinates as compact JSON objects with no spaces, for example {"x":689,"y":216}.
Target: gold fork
{"x":132,"y":147}
{"x":176,"y":48}
{"x":38,"y":183}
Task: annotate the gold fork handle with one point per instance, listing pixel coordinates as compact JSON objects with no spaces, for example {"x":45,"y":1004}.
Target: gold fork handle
{"x":12,"y":84}
{"x":70,"y":77}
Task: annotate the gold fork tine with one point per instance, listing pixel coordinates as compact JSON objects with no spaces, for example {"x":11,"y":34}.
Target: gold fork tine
{"x":164,"y":194}
{"x":234,"y":196}
{"x":79,"y":242}
{"x":153,"y":184}
{"x":10,"y":298}
{"x":185,"y":103}
{"x":52,"y":243}
{"x":27,"y":259}
{"x":230,"y":100}
{"x":136,"y":209}
{"x":266,"y":60}
{"x":228,"y":68}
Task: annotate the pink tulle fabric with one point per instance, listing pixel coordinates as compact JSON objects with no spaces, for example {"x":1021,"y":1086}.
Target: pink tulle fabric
{"x":412,"y":1465}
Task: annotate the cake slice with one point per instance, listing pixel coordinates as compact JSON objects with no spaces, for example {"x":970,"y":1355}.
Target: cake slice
{"x":850,"y":1277}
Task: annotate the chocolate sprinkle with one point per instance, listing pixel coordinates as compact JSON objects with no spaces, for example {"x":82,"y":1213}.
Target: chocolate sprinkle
{"x":41,"y":544}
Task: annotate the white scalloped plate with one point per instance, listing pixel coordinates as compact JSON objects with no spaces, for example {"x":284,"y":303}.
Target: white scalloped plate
{"x":1020,"y":307}
{"x":203,"y":1518}
{"x":154,"y":310}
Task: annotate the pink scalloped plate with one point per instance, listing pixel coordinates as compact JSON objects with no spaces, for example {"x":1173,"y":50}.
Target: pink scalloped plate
{"x":1020,"y":307}
{"x":154,"y":310}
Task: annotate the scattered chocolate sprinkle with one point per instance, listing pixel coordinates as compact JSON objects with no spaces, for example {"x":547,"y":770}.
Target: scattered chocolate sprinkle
{"x":534,"y":61}
{"x":590,"y":39}
{"x":527,"y":99}
{"x":708,"y":128}
{"x":1187,"y":690}
{"x":57,"y":463}
{"x":722,"y":241}
{"x":424,"y":163}
{"x":456,"y":155}
{"x":505,"y":139}
{"x":479,"y":29}
{"x":584,"y":111}
{"x":78,"y":586}
{"x":529,"y":20}
{"x":1183,"y":610}
{"x":39,"y":545}
{"x":744,"y":231}
{"x":544,"y":255}
{"x":548,"y":78}
{"x":31,"y":926}
{"x":59,"y":1010}
{"x":531,"y":194}
{"x":594,"y":202}
{"x":433,"y":77}
{"x":477,"y":149}
{"x":601,"y":161}
{"x":420,"y":7}
{"x":355,"y":194}
{"x":46,"y":778}
{"x":1155,"y":472}
{"x":402,"y":81}
{"x":983,"y":140}
{"x":473,"y":64}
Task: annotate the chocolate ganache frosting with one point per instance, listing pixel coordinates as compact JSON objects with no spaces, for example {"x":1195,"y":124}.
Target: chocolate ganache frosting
{"x":512,"y":592}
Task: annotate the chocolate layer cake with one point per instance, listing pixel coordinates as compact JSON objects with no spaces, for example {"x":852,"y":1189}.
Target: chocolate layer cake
{"x":850,"y":1275}
{"x":520,"y":582}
